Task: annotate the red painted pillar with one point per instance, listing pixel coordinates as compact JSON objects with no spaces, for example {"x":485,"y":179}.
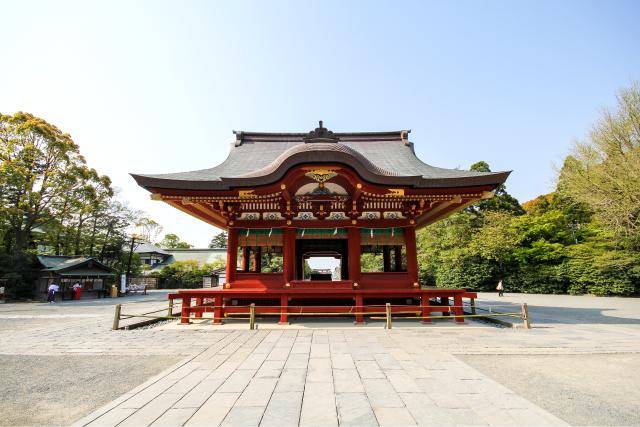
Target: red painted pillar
{"x":424,"y":304}
{"x":457,"y":302}
{"x":289,"y":255}
{"x":198,"y":314}
{"x":232,"y":255}
{"x":412,"y":254}
{"x":186,"y":310}
{"x":244,"y":265}
{"x":397,"y":253}
{"x":217,"y":310}
{"x":284,"y":310}
{"x":359,"y":309}
{"x":354,"y":254}
{"x":257,"y":259}
{"x":386,"y":258}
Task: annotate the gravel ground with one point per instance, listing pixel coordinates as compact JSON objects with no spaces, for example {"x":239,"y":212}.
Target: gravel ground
{"x":589,"y":390}
{"x":57,"y":390}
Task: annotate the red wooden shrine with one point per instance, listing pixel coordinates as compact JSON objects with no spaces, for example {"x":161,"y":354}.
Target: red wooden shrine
{"x":298,"y":195}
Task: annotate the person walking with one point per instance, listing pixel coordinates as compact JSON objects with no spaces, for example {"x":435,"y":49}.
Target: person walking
{"x":51,"y":293}
{"x":500,"y":288}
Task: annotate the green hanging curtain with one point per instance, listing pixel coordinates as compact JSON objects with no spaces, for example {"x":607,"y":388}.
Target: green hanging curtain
{"x":260,"y":237}
{"x":321,"y":233}
{"x":382,"y":236}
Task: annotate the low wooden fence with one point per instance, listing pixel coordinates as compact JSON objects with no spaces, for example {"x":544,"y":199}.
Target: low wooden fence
{"x":387,"y":312}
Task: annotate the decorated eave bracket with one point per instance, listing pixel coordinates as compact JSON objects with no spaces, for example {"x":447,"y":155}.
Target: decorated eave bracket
{"x":388,"y":204}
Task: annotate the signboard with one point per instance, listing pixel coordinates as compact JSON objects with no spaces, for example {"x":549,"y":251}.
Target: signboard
{"x":123,"y":283}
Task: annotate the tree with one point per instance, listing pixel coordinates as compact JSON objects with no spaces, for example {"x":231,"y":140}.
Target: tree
{"x":148,"y":230}
{"x":41,"y":170}
{"x":502,"y":201}
{"x":219,"y":240}
{"x":604,"y":171}
{"x":171,"y":241}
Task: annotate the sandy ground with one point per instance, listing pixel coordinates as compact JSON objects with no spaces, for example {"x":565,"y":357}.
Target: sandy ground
{"x":57,"y":390}
{"x":589,"y":389}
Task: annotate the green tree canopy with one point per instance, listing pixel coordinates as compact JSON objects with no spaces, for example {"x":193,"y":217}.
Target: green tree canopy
{"x":603,"y":171}
{"x":172,"y":241}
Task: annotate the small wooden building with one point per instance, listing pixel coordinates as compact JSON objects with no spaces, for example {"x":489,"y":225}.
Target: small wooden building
{"x":292,"y":196}
{"x":65,"y":271}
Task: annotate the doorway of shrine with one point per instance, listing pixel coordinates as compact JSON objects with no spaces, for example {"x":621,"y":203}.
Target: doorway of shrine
{"x":310,"y":248}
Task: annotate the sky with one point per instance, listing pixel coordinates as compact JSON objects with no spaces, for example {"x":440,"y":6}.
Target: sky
{"x":158,"y":86}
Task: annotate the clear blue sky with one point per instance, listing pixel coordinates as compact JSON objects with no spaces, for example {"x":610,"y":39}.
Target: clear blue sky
{"x":150,"y":86}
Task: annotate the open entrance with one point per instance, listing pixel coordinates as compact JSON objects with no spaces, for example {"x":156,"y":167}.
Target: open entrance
{"x":322,"y":266}
{"x":325,"y":260}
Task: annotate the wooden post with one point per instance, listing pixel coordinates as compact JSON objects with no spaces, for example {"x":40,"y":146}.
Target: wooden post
{"x":185,"y":313}
{"x":289,"y":255}
{"x":232,"y":255}
{"x":170,"y":311}
{"x":217,"y":310}
{"x":424,"y":304}
{"x":354,"y":254}
{"x":387,"y":309}
{"x":457,"y":309}
{"x":257,"y":259}
{"x":397,"y":254}
{"x":473,"y":306}
{"x":412,"y":255}
{"x":359,"y":309}
{"x":386,"y":258}
{"x":252,"y":316}
{"x":116,"y":317}
{"x":525,"y":316}
{"x":245,"y":259}
{"x":198,"y":314}
{"x":284,"y":310}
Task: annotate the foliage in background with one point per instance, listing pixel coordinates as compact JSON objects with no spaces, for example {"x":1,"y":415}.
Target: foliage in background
{"x":172,"y":241}
{"x":186,"y":274}
{"x":52,"y":203}
{"x":219,"y":240}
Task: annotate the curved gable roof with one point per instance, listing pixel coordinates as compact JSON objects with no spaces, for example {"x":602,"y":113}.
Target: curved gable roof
{"x":386,"y":158}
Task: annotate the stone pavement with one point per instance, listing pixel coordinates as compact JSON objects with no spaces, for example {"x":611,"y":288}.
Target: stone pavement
{"x":321,"y":378}
{"x":324,"y":372}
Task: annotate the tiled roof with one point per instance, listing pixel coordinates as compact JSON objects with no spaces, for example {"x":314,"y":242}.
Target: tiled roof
{"x":380,"y":157}
{"x":63,"y":263}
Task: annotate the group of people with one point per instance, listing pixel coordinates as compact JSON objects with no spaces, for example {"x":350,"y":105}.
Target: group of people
{"x":76,"y":292}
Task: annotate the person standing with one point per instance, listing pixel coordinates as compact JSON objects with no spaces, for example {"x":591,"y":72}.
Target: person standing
{"x":77,"y":290}
{"x":51,"y":293}
{"x":500,"y":288}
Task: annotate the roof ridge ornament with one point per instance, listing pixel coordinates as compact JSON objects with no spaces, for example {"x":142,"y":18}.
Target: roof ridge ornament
{"x":320,"y":134}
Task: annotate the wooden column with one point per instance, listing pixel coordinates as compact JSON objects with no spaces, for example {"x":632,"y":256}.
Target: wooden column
{"x":354,"y":254}
{"x":397,"y":254}
{"x":245,"y":259}
{"x":359,"y":309}
{"x":217,"y":310}
{"x":412,"y":254}
{"x":198,"y":314}
{"x":386,"y":258}
{"x":186,"y":310}
{"x":284,"y":310}
{"x":257,"y":259}
{"x":232,"y":255}
{"x":424,"y":304}
{"x":289,"y":254}
{"x":457,"y":309}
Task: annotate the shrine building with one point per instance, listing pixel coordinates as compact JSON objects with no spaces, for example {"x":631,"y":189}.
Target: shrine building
{"x":287,"y":197}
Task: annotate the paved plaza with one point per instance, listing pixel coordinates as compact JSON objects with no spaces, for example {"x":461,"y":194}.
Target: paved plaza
{"x":577,"y":366}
